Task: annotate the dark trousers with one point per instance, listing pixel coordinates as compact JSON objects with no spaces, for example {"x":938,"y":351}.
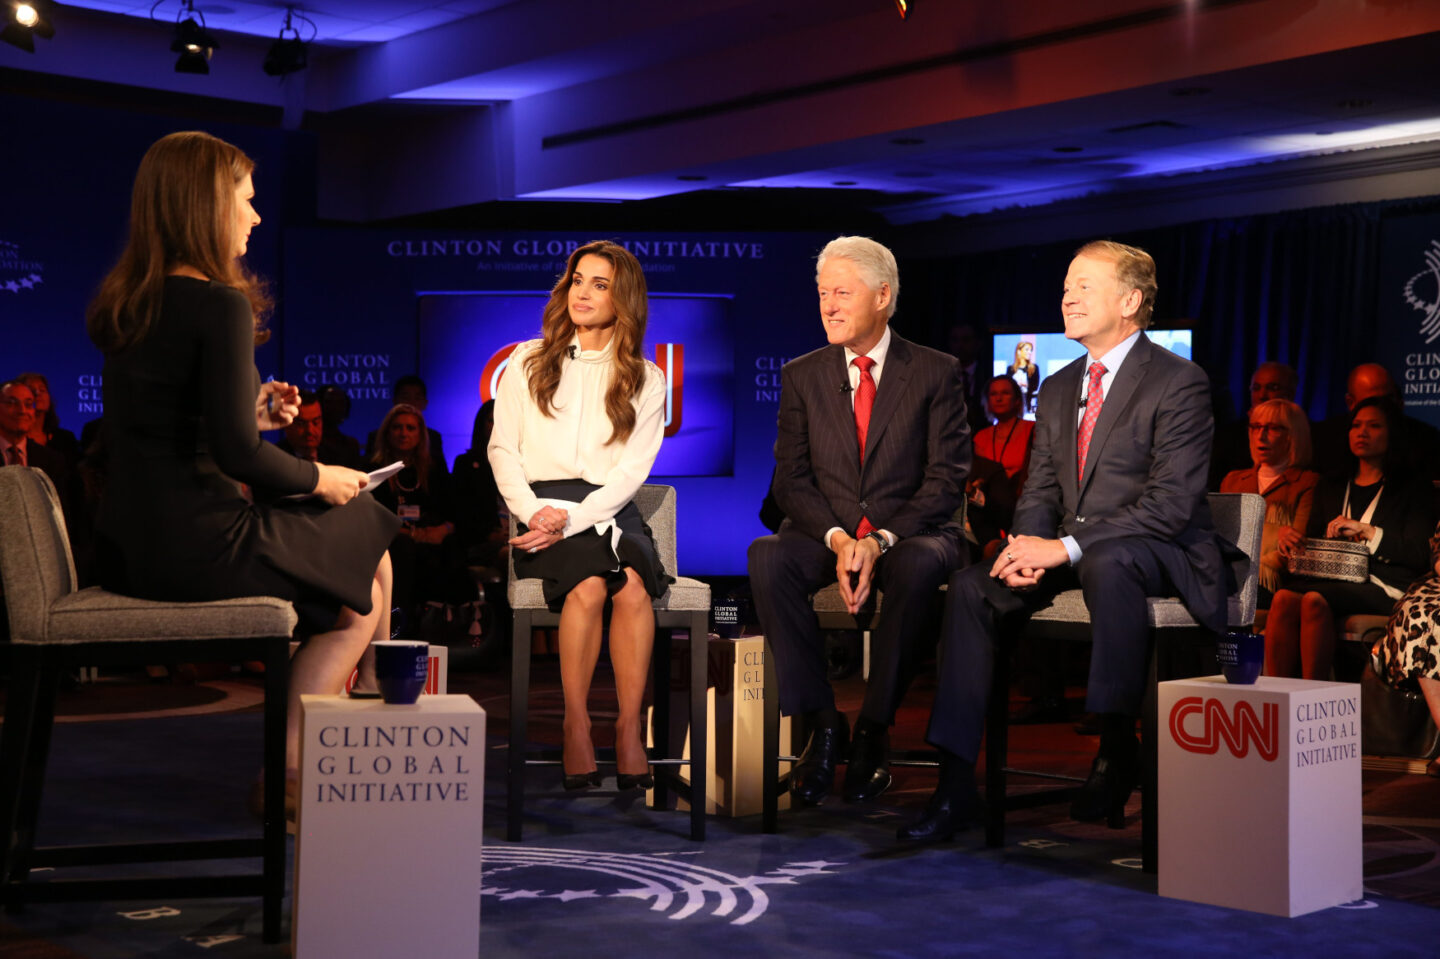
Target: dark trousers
{"x":1115,"y":576}
{"x":786,"y":568}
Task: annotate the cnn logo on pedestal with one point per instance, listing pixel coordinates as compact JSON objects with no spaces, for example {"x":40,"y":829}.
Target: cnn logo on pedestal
{"x":1200,"y":725}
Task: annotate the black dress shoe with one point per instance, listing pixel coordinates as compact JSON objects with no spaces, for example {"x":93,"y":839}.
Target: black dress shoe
{"x":814,"y":774}
{"x":1106,"y":791}
{"x":577,"y":781}
{"x":867,"y":775}
{"x":952,"y":807}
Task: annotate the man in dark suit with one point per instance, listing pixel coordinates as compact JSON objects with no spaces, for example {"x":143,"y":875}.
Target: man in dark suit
{"x":17,"y":414}
{"x":871,"y":459}
{"x":1115,"y":502}
{"x":305,"y":436}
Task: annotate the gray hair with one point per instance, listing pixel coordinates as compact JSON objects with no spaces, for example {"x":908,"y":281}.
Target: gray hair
{"x":874,"y":261}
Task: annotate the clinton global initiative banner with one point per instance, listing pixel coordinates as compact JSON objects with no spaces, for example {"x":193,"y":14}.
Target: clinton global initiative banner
{"x":1408,"y":311}
{"x":364,"y":307}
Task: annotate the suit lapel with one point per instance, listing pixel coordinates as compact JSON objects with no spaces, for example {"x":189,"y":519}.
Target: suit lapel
{"x":887,"y":396}
{"x":1067,"y":385}
{"x":837,"y":407}
{"x":1127,"y":380}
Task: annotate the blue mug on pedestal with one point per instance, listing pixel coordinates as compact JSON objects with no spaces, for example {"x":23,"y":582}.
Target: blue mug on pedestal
{"x":1241,"y":656}
{"x":401,"y":666}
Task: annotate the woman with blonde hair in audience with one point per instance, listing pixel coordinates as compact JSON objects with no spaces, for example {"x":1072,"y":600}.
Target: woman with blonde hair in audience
{"x":578,"y":423}
{"x":1280,"y":451}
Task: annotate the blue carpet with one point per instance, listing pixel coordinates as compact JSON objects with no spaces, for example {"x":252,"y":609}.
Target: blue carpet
{"x":601,"y":875}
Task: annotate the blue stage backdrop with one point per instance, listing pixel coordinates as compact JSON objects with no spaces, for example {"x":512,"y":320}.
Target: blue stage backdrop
{"x":1408,"y":311}
{"x":364,"y":307}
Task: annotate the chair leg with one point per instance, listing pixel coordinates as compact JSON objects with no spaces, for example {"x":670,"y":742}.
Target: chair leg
{"x":997,"y":746}
{"x":277,"y":691}
{"x":1149,"y":759}
{"x":770,"y":748}
{"x":41,"y":710}
{"x":15,"y":749}
{"x":699,"y":721}
{"x":519,"y":713}
{"x":660,"y":694}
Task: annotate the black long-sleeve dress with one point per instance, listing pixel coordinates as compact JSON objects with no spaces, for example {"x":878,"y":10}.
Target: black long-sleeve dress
{"x":181,"y":432}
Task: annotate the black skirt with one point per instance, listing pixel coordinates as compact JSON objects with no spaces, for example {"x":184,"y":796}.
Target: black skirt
{"x":586,"y":554}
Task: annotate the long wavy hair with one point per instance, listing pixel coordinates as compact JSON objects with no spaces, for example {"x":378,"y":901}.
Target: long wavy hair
{"x":628,"y":297}
{"x":50,"y":421}
{"x":182,"y":213}
{"x":418,"y":458}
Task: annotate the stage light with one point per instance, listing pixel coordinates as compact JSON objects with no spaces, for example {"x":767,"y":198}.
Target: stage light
{"x":289,"y":54}
{"x":903,"y":6}
{"x":25,"y":21}
{"x":193,"y":42}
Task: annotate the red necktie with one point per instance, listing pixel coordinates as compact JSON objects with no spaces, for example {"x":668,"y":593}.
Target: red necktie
{"x":1094,"y":399}
{"x":864,"y":403}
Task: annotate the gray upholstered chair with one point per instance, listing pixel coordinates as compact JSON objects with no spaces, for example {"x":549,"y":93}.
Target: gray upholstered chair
{"x":55,"y":626}
{"x":684,"y":606}
{"x":1181,"y":649}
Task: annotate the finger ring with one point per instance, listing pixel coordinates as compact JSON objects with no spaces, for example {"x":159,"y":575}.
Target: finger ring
{"x":532,"y":549}
{"x":1010,"y":556}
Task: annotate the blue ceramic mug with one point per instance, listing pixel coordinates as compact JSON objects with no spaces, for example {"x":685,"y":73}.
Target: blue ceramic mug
{"x":1241,"y":656}
{"x":401,"y":666}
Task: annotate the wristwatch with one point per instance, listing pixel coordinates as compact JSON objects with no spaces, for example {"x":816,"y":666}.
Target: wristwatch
{"x":879,"y":539}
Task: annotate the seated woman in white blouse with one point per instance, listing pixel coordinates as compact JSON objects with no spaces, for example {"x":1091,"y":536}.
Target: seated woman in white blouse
{"x":578,"y":422}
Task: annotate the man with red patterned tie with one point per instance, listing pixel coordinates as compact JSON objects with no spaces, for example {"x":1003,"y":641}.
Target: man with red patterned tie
{"x":1114,"y":504}
{"x":871,"y":460}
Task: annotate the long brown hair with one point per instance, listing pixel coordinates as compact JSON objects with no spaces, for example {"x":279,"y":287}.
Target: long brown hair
{"x":628,"y":297}
{"x":182,"y":213}
{"x":419,"y":458}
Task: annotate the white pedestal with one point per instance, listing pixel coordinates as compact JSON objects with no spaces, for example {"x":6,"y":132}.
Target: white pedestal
{"x":387,"y":850}
{"x":1260,"y":794}
{"x":737,"y":722}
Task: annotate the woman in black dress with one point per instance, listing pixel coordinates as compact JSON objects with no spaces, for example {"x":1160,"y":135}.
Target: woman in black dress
{"x":578,"y":423}
{"x":178,"y":318}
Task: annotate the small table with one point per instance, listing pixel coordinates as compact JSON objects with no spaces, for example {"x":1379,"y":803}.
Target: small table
{"x":388,"y":836}
{"x":1260,"y":794}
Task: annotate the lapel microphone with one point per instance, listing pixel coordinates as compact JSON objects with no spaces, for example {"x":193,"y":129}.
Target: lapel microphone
{"x":574,"y":351}
{"x":1083,"y":401}
{"x":846,"y":388}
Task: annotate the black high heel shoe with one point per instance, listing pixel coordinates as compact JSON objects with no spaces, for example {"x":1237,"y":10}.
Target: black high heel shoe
{"x":578,"y":781}
{"x":1106,"y":792}
{"x":624,"y":781}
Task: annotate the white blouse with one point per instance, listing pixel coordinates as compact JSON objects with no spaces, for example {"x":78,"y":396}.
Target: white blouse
{"x":527,"y":446}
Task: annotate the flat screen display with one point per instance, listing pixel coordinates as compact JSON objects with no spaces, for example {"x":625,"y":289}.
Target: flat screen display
{"x":1032,"y":357}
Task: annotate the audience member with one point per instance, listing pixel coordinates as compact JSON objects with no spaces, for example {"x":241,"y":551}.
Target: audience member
{"x":335,"y":409}
{"x":1280,"y":451}
{"x":965,"y":342}
{"x":47,"y":430}
{"x":1115,"y":503}
{"x":1024,"y":371}
{"x":1271,"y":381}
{"x":1380,"y":503}
{"x":1421,"y":455}
{"x":1008,"y":441}
{"x":482,"y":531}
{"x":989,"y":507}
{"x":578,"y":424}
{"x":427,"y":559}
{"x":869,"y":478}
{"x":19,"y":448}
{"x":305,"y":436}
{"x":410,"y":391}
{"x":1409,"y":654}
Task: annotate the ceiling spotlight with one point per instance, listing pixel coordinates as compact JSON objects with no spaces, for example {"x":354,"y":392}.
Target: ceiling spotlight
{"x":25,"y":21}
{"x":193,"y":42}
{"x":903,"y":6}
{"x":288,"y":54}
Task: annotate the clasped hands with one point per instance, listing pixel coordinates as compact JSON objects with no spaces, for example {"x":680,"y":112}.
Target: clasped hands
{"x":1024,"y":560}
{"x":546,"y":528}
{"x":1343,"y":527}
{"x":854,"y":568}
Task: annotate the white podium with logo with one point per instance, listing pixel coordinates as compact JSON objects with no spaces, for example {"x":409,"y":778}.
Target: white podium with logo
{"x":387,"y":845}
{"x":1260,"y":794}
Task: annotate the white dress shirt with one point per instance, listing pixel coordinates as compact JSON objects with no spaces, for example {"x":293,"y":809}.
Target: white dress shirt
{"x":527,"y":446}
{"x":878,"y":354}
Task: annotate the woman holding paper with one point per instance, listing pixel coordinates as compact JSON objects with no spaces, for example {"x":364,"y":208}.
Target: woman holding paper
{"x":178,"y":318}
{"x":578,"y":423}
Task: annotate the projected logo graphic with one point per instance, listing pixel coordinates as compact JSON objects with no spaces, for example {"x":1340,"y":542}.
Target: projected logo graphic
{"x":466,"y":340}
{"x":670,"y":357}
{"x":16,"y":272}
{"x":1238,"y":732}
{"x":1422,"y":292}
{"x":679,"y":889}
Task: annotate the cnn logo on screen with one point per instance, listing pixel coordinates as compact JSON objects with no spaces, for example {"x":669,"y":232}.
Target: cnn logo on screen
{"x":1201,"y":725}
{"x":670,"y":357}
